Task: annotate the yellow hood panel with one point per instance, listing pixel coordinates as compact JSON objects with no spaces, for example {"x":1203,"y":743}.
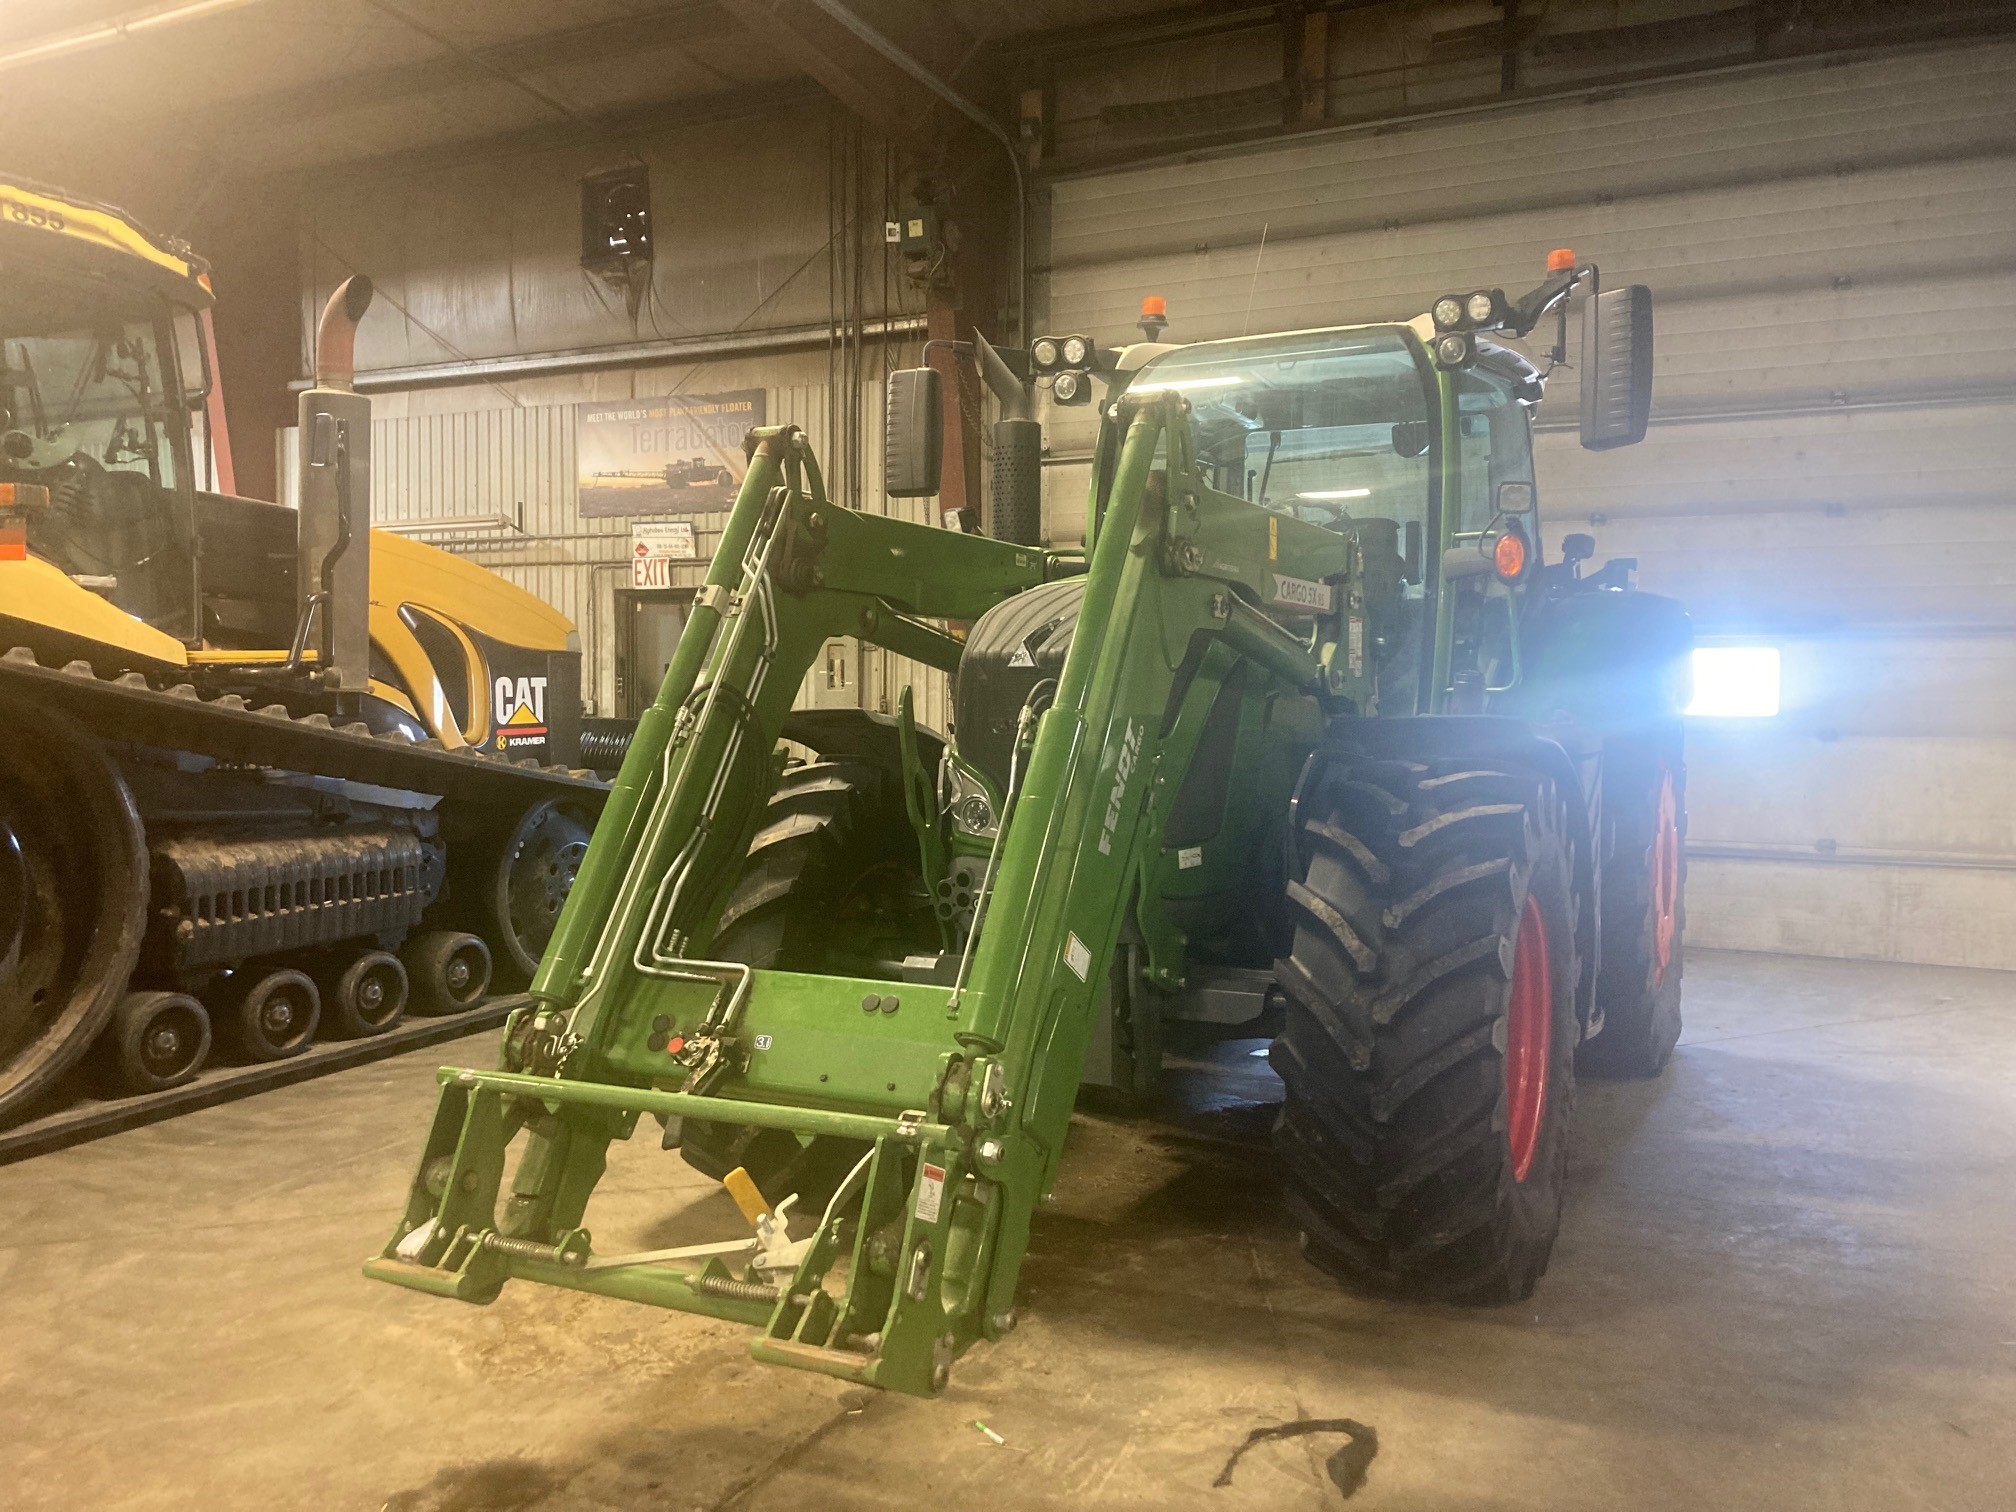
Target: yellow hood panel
{"x":34,"y":591}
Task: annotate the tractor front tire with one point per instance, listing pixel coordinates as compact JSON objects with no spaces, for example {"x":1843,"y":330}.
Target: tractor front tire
{"x":1428,"y":1049}
{"x":1644,"y":909}
{"x":833,"y":855}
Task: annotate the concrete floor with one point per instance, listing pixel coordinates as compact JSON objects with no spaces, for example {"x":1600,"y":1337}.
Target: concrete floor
{"x":1787,"y":1280}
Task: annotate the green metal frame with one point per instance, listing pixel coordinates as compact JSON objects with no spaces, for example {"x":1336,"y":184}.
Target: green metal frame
{"x":959,"y":1095}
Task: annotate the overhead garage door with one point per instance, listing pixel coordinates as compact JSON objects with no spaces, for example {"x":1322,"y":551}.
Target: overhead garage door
{"x":1833,"y":254}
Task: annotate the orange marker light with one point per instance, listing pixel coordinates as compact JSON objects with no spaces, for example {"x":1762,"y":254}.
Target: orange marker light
{"x":1560,"y":259}
{"x":1154,"y":304}
{"x":13,"y":545}
{"x":1508,"y":557}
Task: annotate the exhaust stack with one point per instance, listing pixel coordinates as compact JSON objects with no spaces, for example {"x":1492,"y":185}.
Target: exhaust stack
{"x":333,"y":564}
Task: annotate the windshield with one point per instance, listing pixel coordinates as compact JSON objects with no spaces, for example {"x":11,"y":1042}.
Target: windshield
{"x":88,"y":409}
{"x":1332,"y":427}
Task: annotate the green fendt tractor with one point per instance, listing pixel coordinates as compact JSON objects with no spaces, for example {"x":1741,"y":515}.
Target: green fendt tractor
{"x":1307,"y":744}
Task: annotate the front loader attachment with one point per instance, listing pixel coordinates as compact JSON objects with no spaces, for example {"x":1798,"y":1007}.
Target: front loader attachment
{"x":957,"y":1092}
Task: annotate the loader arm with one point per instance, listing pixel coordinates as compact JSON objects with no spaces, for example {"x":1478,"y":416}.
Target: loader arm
{"x":960,"y":1094}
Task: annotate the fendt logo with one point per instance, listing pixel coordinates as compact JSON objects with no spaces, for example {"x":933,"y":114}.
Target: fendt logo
{"x":518,"y":707}
{"x":1123,"y":771}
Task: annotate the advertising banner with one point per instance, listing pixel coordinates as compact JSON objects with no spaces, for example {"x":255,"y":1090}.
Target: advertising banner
{"x":681,"y":454}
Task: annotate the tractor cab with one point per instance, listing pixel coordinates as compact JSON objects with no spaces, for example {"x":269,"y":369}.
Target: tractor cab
{"x":102,"y":365}
{"x":1415,"y":439}
{"x":1357,"y":430}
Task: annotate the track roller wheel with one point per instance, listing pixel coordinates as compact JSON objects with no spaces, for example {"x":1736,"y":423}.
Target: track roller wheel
{"x":365,"y":997}
{"x":1428,"y":1047}
{"x":73,"y":898}
{"x":450,"y":971}
{"x":269,"y":1017}
{"x":156,"y":1040}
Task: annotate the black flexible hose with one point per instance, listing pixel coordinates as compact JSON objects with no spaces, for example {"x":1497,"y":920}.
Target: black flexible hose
{"x":605,"y":742}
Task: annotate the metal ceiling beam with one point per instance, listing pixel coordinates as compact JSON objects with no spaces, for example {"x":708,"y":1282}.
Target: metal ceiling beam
{"x":745,"y":102}
{"x":141,"y":22}
{"x":626,"y":36}
{"x":863,"y":80}
{"x":1178,"y":24}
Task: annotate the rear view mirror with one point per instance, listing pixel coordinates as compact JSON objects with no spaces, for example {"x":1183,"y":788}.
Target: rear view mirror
{"x":1616,"y":367}
{"x":1410,"y":437}
{"x":912,"y":433}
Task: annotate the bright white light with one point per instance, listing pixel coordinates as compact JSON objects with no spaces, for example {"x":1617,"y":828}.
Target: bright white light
{"x":1226,"y":380}
{"x":1735,"y":682}
{"x":1336,"y":493}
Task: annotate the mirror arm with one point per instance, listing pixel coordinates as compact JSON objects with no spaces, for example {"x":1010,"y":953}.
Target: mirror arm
{"x":1551,"y":295}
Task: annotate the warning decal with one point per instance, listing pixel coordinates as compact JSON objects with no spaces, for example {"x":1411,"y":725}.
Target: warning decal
{"x":1076,"y":956}
{"x":930,"y":1193}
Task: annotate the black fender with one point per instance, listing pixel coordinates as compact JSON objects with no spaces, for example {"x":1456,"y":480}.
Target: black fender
{"x":861,"y":736}
{"x":1612,"y":662}
{"x":1566,"y":753}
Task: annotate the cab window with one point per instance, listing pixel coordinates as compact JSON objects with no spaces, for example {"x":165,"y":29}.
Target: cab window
{"x":1495,"y":447}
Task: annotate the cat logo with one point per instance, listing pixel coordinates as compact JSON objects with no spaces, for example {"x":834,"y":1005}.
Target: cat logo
{"x":518,"y":706}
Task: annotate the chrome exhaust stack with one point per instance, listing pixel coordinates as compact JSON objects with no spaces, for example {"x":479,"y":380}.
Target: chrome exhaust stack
{"x":333,"y":562}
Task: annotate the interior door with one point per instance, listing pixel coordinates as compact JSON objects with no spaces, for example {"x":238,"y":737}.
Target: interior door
{"x":652,"y":623}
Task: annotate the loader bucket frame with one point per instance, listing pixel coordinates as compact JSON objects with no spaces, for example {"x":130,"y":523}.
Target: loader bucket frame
{"x":961,"y":1094}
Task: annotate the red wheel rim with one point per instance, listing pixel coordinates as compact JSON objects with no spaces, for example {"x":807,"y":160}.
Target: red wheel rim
{"x":1529,"y":1036}
{"x":1665,"y":877}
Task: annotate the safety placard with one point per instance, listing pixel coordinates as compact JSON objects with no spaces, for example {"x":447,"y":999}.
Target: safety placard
{"x":654,"y":546}
{"x":930,"y":1193}
{"x":1077,"y":956}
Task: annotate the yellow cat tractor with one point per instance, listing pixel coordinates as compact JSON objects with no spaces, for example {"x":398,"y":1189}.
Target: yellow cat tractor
{"x":266,"y":774}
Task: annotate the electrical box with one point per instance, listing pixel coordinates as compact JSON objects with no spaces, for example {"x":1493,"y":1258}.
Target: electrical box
{"x":917,"y":232}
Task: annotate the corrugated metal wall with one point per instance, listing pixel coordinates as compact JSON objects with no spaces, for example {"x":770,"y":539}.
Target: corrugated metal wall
{"x":1831,"y":251}
{"x":508,"y":476}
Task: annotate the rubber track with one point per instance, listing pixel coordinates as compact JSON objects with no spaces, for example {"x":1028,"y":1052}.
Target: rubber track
{"x":132,"y":709}
{"x":94,"y":1118}
{"x":1392,"y":1132}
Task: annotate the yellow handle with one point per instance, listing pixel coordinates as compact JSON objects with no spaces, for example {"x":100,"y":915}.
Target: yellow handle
{"x":743,"y":1189}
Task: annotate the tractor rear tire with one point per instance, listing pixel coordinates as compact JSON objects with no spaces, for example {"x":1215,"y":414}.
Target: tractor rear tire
{"x":834,"y":852}
{"x":1428,"y":1047}
{"x":1644,"y":909}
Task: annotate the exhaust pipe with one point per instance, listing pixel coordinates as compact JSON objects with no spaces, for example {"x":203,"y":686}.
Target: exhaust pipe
{"x":333,"y":563}
{"x":336,"y":334}
{"x":1017,"y":482}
